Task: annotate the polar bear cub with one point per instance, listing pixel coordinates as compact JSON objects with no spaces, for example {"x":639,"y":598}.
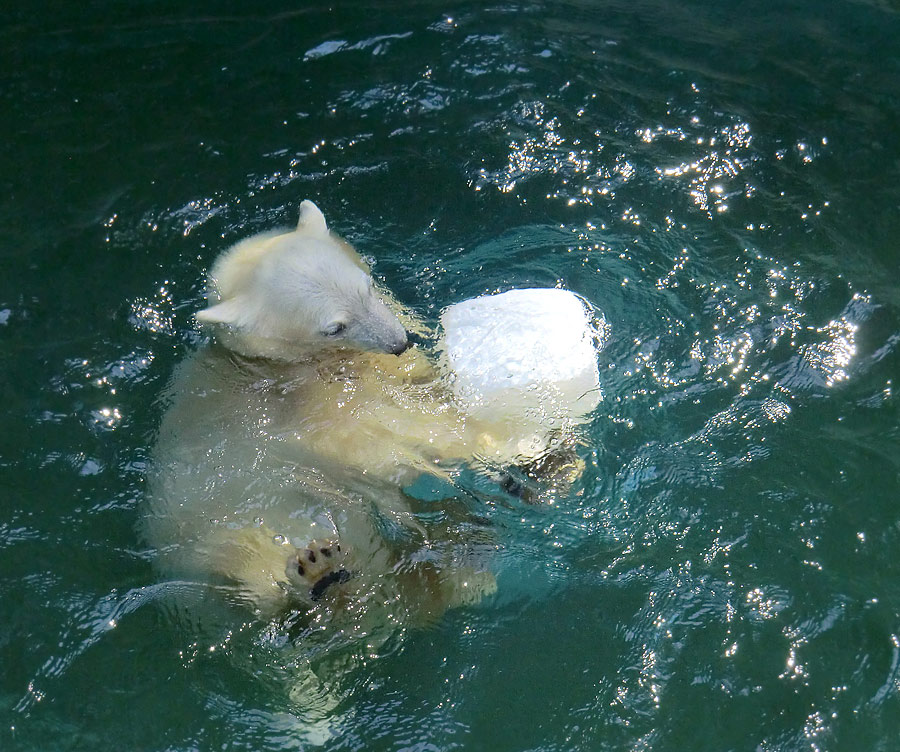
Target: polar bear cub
{"x":282,"y":457}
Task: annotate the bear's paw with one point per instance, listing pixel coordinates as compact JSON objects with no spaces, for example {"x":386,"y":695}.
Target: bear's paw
{"x":317,"y":566}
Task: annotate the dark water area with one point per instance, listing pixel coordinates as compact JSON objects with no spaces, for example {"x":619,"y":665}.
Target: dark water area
{"x":719,"y":179}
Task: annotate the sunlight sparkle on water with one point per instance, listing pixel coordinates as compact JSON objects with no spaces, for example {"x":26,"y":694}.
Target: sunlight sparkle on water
{"x":765,"y":607}
{"x":107,"y":417}
{"x":156,"y":315}
{"x":832,"y":357}
{"x":718,"y":164}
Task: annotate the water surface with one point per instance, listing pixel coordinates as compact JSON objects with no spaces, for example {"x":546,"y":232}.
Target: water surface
{"x":720,"y":179}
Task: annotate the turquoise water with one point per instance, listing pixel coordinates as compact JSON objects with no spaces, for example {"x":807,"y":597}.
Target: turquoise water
{"x":720,"y":179}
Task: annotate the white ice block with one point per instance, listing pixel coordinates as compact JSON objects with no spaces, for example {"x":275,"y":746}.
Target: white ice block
{"x":523,"y":355}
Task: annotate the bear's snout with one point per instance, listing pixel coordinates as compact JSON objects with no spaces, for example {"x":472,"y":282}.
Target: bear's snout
{"x":401,"y":347}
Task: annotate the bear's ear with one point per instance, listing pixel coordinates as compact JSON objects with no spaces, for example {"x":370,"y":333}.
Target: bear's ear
{"x":312,"y":221}
{"x":227,"y":312}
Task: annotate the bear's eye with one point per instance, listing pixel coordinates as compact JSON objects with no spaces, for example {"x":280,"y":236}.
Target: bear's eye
{"x":335,"y":329}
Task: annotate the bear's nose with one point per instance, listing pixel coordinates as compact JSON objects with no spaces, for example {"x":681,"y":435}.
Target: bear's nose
{"x":401,"y":348}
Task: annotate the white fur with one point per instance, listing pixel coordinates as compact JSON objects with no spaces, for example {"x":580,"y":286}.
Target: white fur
{"x":283,"y":293}
{"x":310,"y":441}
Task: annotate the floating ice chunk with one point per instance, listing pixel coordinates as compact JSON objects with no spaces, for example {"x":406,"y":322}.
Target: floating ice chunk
{"x":524,"y":354}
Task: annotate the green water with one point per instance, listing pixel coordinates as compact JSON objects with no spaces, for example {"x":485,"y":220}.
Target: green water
{"x":720,"y":179}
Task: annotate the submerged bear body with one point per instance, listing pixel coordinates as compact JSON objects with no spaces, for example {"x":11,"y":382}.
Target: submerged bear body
{"x":282,"y":458}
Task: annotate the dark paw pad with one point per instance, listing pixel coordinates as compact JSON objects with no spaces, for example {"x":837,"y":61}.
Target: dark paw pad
{"x":332,"y":578}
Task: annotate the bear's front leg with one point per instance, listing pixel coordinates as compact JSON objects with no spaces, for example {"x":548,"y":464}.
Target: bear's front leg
{"x":545,"y":477}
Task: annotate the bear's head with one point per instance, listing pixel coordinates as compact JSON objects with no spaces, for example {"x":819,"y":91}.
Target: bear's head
{"x":284,"y":295}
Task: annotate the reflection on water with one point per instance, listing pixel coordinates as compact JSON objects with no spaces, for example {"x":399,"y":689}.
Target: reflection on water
{"x":716,"y":181}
